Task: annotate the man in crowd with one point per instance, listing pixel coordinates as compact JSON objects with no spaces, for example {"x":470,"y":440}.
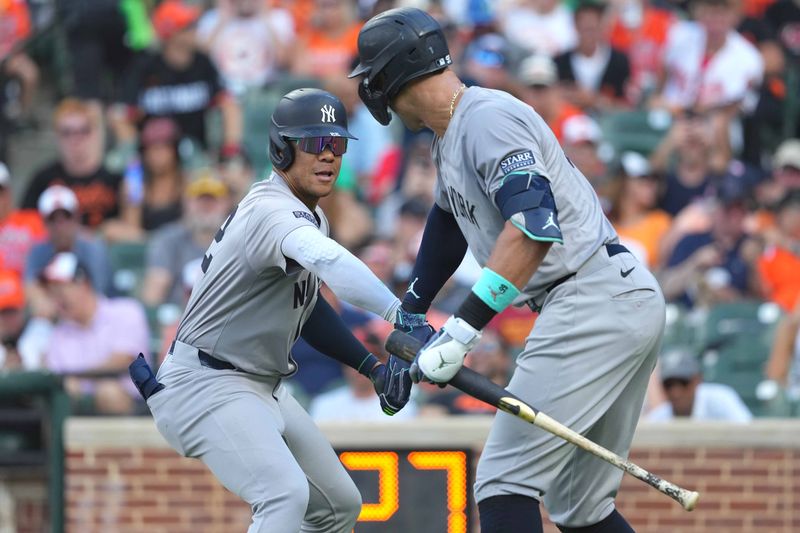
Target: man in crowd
{"x":689,"y":397}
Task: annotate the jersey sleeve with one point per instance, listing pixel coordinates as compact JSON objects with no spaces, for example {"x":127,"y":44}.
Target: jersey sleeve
{"x":500,"y":143}
{"x":266,"y":228}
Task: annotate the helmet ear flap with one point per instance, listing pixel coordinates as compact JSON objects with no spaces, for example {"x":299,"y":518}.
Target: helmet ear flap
{"x":280,"y":151}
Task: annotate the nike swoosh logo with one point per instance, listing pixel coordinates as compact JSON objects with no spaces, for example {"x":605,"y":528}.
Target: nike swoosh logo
{"x":625,"y":273}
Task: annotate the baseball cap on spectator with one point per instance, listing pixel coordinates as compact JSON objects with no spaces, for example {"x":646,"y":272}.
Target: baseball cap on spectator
{"x":538,"y":71}
{"x":173,"y":16}
{"x":55,"y":198}
{"x":64,"y":267}
{"x":732,"y":189}
{"x":787,"y":154}
{"x":207,"y":184}
{"x":634,"y":164}
{"x":5,"y":175}
{"x":679,"y":363}
{"x":160,"y":130}
{"x":12,"y":295}
{"x":581,"y":129}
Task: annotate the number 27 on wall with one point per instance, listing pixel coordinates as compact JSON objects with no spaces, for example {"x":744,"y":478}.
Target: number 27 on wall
{"x":387,"y":465}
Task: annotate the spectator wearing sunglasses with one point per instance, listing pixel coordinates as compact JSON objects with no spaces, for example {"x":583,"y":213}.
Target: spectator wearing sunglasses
{"x":689,"y":397}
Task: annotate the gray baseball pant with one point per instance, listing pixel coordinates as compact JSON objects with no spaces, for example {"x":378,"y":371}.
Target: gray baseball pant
{"x":259,"y":443}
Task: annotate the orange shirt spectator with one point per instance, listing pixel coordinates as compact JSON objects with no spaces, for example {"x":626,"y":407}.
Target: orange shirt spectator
{"x":647,"y":233}
{"x":15,"y":24}
{"x":643,"y":42}
{"x":565,"y":111}
{"x":780,"y":272}
{"x":19,"y":229}
{"x":329,"y":44}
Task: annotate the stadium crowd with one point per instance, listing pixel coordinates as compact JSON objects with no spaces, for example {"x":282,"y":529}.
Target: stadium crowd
{"x":682,"y":114}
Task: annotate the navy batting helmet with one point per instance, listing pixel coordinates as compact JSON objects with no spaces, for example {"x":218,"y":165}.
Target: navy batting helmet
{"x":304,"y":113}
{"x":395,"y":47}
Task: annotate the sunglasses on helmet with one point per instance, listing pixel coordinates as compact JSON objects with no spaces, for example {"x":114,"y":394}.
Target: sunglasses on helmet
{"x":316,"y":145}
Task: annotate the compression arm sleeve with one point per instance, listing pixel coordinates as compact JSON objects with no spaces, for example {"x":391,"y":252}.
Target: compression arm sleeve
{"x":326,"y":332}
{"x":442,"y":250}
{"x":349,"y":278}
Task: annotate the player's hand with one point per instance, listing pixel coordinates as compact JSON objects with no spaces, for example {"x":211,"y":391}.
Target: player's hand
{"x":415,"y":324}
{"x":443,"y":355}
{"x":392,"y":384}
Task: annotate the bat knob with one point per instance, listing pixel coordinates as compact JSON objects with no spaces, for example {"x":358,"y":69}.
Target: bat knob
{"x":690,"y":501}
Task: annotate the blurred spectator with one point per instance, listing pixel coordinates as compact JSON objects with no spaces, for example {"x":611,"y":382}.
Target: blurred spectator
{"x":487,"y":61}
{"x":58,"y":206}
{"x":782,"y":370}
{"x":93,"y":334}
{"x":786,"y":166}
{"x":689,"y":397}
{"x":779,"y":264}
{"x":237,"y":173}
{"x":79,"y":133}
{"x":179,"y":82}
{"x":378,"y":257}
{"x":417,"y":181}
{"x":490,"y":358}
{"x":172,"y":247}
{"x":688,"y":158}
{"x":328,"y":45}
{"x":641,"y":226}
{"x":707,"y":64}
{"x":639,"y":30}
{"x":102,"y":36}
{"x":717,"y":265}
{"x":581,"y":137}
{"x":542,"y":26}
{"x":594,"y":75}
{"x":16,"y":67}
{"x":784,"y":19}
{"x":373,"y":156}
{"x":153,"y":184}
{"x":538,"y":75}
{"x":12,"y":320}
{"x":20,"y":229}
{"x":248,"y":42}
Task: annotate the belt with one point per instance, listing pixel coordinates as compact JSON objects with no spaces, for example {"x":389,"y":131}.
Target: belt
{"x":208,"y":360}
{"x":611,"y":248}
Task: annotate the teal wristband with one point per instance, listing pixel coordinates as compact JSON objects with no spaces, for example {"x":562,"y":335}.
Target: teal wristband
{"x":494,"y":290}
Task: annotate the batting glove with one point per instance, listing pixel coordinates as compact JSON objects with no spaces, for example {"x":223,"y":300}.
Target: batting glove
{"x":415,"y":324}
{"x":443,"y":355}
{"x":392,"y":384}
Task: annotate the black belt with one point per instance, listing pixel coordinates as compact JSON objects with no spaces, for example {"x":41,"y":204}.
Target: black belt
{"x":208,"y":360}
{"x":612,"y":249}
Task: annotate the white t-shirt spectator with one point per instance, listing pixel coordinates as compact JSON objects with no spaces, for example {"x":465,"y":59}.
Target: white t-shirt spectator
{"x":551,"y":33}
{"x":731,"y":75}
{"x":243,"y":50}
{"x":712,"y":401}
{"x":341,"y":405}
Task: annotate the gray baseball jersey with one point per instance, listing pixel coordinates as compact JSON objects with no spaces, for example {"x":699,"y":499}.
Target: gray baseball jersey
{"x":491,"y":135}
{"x":251,"y":302}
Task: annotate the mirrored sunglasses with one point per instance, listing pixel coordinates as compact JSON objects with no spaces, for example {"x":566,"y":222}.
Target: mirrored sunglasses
{"x":316,"y":145}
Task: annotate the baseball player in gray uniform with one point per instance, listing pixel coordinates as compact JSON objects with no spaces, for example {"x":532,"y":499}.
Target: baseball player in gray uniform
{"x":219,"y":395}
{"x":532,"y":220}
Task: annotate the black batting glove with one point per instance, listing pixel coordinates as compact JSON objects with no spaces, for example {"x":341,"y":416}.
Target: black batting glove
{"x":392,"y":384}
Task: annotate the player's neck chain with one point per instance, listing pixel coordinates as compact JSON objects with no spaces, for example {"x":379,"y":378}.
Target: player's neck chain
{"x":454,"y":98}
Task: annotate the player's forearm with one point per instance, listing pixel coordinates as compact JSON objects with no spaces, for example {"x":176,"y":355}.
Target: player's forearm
{"x":516,"y":256}
{"x":348,"y":277}
{"x":326,"y":332}
{"x":442,"y":250}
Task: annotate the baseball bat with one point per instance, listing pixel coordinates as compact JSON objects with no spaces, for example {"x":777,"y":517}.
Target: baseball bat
{"x":478,"y":386}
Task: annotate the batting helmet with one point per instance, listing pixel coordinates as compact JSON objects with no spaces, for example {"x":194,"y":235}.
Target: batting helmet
{"x":304,"y":113}
{"x":395,"y":47}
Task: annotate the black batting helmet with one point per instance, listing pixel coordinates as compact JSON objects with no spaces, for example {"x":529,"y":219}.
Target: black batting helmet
{"x":395,"y":47}
{"x":304,"y":113}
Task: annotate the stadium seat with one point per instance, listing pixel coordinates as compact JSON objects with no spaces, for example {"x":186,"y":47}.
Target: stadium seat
{"x":127,"y":265}
{"x":737,"y":339}
{"x":639,"y":131}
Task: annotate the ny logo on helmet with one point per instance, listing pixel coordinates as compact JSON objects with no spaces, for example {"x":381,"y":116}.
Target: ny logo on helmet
{"x":328,"y":113}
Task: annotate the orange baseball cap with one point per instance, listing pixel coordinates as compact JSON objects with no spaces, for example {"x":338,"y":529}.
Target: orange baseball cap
{"x":12,"y":295}
{"x":173,"y":16}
